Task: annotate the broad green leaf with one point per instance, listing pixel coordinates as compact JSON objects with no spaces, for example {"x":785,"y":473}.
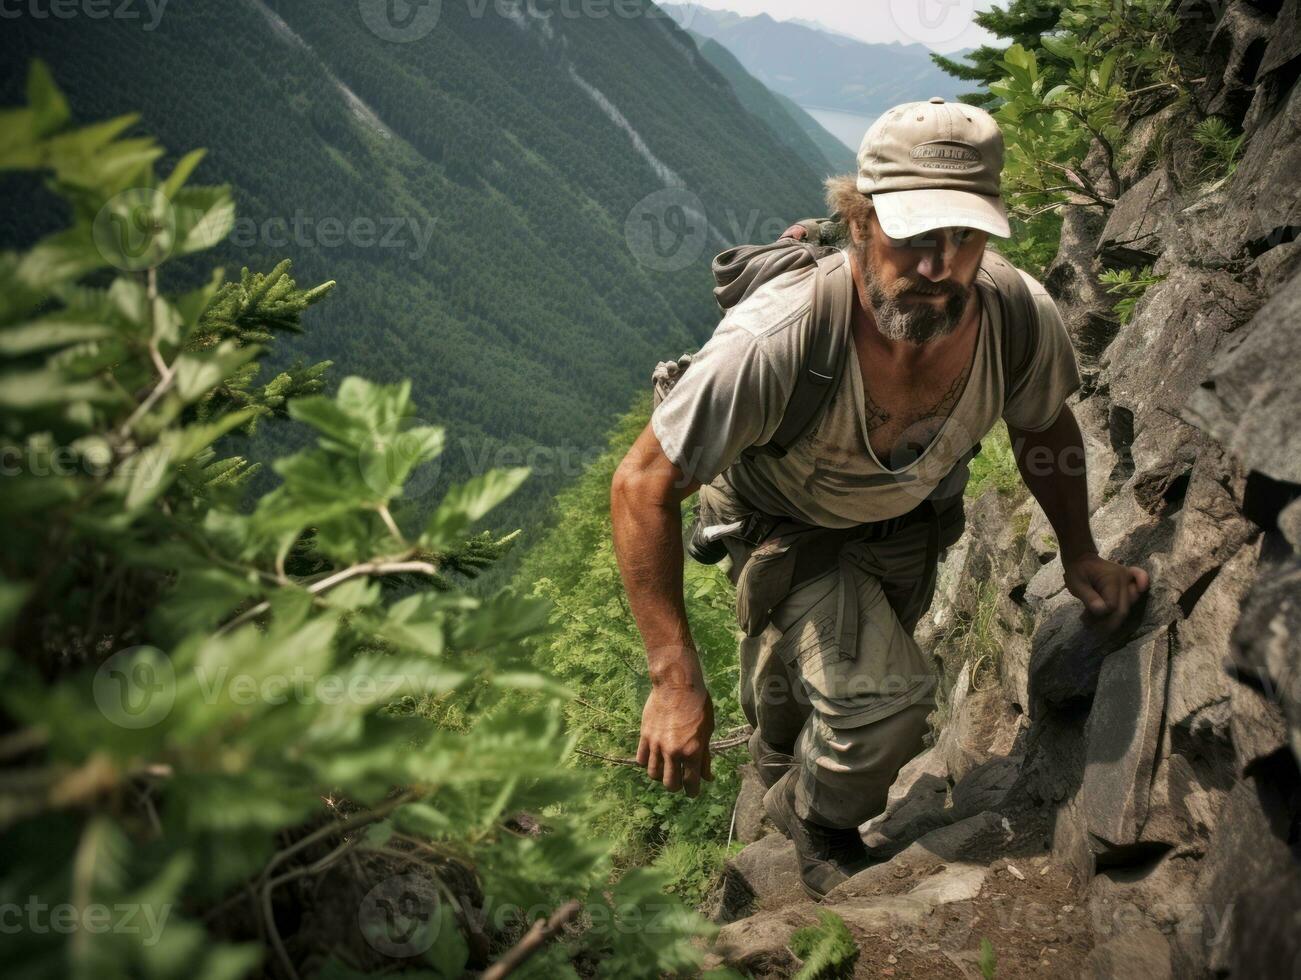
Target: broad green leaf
{"x":326,"y":417}
{"x":357,"y":594}
{"x":1106,"y":69}
{"x":449,"y":953}
{"x":204,"y":217}
{"x":415,"y":623}
{"x":49,"y":107}
{"x":1054,"y":93}
{"x":1003,"y":90}
{"x":144,"y":476}
{"x":389,"y":456}
{"x":64,"y":257}
{"x":44,"y":388}
{"x":470,"y":501}
{"x":186,"y":166}
{"x":1062,"y":47}
{"x":50,"y":332}
{"x":187,"y":443}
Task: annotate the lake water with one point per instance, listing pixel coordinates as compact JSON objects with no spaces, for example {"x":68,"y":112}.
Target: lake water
{"x":848,"y":127}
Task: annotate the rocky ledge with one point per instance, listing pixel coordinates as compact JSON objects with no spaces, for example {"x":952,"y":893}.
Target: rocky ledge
{"x":1123,"y":804}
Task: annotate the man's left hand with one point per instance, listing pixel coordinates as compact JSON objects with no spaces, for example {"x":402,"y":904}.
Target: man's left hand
{"x":1107,"y":589}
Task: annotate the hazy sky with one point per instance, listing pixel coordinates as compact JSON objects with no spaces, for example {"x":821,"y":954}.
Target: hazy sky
{"x":941,"y":25}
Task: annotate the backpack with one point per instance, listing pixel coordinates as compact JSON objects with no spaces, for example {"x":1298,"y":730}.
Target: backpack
{"x":743,"y":269}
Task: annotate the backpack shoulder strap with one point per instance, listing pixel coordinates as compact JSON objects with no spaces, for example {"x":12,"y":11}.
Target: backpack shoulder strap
{"x":1020,"y":318}
{"x":822,"y":348}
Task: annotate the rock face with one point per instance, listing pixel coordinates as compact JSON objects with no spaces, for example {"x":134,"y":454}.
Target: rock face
{"x":1246,"y":403}
{"x":1142,"y":786}
{"x":1141,"y":955}
{"x":1122,"y":734}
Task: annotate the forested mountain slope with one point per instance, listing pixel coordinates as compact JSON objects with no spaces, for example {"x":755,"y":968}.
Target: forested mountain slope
{"x":791,"y":124}
{"x":473,"y":187}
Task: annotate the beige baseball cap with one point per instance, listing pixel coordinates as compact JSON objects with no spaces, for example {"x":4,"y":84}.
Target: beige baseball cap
{"x":934,"y":164}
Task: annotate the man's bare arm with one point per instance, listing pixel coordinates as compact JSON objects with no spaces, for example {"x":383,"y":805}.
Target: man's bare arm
{"x":645,"y":510}
{"x":1052,"y":464}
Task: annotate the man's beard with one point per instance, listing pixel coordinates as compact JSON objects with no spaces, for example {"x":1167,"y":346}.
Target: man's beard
{"x":901,"y":317}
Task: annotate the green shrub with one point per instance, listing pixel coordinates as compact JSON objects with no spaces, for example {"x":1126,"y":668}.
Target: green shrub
{"x":995,"y":466}
{"x":596,"y":650}
{"x":211,"y":702}
{"x":1130,"y":287}
{"x":1065,"y":93}
{"x":1219,"y":149}
{"x":827,"y":949}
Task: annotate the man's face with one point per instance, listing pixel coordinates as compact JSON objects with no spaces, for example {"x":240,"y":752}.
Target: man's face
{"x":918,"y":288}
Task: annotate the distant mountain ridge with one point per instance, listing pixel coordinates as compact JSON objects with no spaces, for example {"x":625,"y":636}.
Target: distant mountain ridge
{"x":559,"y":183}
{"x":821,"y":69}
{"x":790,"y":123}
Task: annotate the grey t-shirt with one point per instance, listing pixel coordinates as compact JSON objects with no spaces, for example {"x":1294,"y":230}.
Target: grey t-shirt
{"x":734,"y":392}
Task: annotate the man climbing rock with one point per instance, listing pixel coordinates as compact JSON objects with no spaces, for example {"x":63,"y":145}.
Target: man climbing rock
{"x":834,"y":532}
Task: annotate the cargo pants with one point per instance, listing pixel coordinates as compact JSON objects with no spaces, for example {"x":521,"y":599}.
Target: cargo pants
{"x":851,"y":717}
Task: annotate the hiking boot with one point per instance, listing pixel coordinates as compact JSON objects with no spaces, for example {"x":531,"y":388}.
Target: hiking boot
{"x":770,"y":763}
{"x":826,"y":855}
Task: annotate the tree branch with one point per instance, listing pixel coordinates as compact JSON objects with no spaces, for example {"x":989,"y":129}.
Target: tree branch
{"x":377,"y":567}
{"x":537,"y":937}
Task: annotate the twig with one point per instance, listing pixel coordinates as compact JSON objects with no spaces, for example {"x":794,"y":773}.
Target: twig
{"x":353,"y":822}
{"x":1153,"y":88}
{"x":166,"y":372}
{"x":268,"y":912}
{"x":356,"y":820}
{"x":338,"y":578}
{"x":537,"y":936}
{"x":23,"y":741}
{"x":595,"y":707}
{"x":391,"y":524}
